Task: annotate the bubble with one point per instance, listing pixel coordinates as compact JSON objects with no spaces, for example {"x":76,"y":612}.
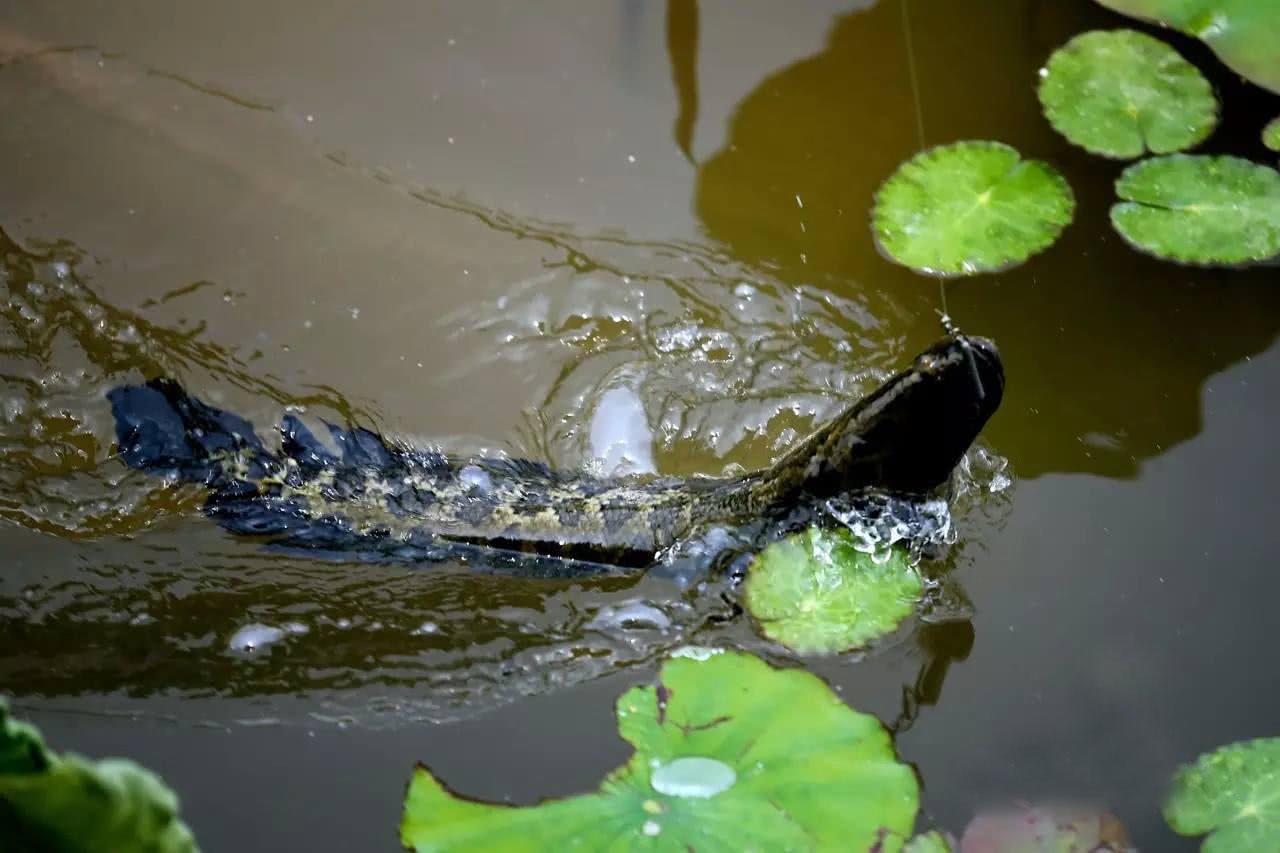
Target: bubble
{"x":633,"y":614}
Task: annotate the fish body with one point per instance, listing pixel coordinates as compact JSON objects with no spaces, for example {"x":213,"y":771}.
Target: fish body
{"x":350,"y":492}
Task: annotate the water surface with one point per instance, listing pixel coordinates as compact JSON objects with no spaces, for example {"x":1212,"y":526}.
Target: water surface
{"x":496,"y":225}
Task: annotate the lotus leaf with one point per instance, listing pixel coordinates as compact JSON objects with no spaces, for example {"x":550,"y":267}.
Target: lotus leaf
{"x":66,"y":804}
{"x":1244,"y":33}
{"x":970,"y":207}
{"x":816,"y":593}
{"x":929,"y":842}
{"x":1271,"y":134}
{"x":1123,"y":93}
{"x":1200,"y":209}
{"x":808,"y":773}
{"x":1233,"y":793}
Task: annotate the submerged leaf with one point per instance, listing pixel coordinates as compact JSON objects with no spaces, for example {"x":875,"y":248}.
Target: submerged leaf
{"x":1046,"y":828}
{"x":1122,"y":93}
{"x":817,"y":594}
{"x":66,"y":804}
{"x":730,"y":754}
{"x":1271,"y":134}
{"x":1232,"y":793}
{"x":970,"y":207}
{"x":1199,"y":209}
{"x":1244,"y":33}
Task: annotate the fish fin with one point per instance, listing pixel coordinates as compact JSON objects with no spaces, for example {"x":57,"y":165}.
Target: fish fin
{"x":160,"y":427}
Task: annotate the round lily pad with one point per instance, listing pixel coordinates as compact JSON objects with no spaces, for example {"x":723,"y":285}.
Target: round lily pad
{"x":970,"y":207}
{"x":1121,"y":93}
{"x":1233,"y":793}
{"x":765,"y":759}
{"x":1271,"y":134}
{"x":1243,"y":33}
{"x":1200,"y":209}
{"x":815,"y":593}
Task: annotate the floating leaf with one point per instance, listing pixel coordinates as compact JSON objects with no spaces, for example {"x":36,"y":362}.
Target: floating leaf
{"x":730,"y":754}
{"x":1232,"y":793}
{"x":815,"y":593}
{"x":1199,"y":209}
{"x":970,"y":207}
{"x":929,"y":842}
{"x":1052,"y":828}
{"x":1122,"y":93}
{"x":1244,"y":33}
{"x":66,"y":804}
{"x":1271,"y":134}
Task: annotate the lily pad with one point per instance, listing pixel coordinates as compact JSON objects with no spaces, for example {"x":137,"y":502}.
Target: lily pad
{"x":1200,"y":209}
{"x":1233,"y":793}
{"x":1271,"y":134}
{"x":803,"y":772}
{"x":67,"y":804}
{"x":970,"y":207}
{"x":929,"y":842}
{"x":1243,"y":33}
{"x":815,"y":593}
{"x":1122,"y":93}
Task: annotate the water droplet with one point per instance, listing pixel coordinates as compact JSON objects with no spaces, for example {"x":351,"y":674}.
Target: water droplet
{"x":693,"y":776}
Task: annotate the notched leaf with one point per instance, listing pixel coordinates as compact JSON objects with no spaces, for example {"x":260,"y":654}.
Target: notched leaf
{"x":764,"y":758}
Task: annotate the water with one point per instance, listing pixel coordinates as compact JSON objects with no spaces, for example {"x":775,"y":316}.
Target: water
{"x":507,"y":228}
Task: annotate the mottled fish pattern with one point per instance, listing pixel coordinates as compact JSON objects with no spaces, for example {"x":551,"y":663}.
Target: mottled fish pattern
{"x":350,"y":492}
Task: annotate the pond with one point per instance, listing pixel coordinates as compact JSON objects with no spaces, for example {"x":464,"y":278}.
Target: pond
{"x":503,"y":227}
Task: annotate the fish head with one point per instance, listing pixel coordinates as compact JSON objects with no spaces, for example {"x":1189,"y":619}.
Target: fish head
{"x":908,"y":435}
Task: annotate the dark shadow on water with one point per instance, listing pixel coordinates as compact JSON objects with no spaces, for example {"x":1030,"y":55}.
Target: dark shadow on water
{"x":1106,"y":350}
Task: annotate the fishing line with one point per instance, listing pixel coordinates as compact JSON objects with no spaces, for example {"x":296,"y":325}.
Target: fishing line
{"x":945,"y":316}
{"x":911,"y":72}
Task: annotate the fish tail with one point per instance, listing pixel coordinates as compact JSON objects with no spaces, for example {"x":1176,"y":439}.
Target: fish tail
{"x":161,"y":428}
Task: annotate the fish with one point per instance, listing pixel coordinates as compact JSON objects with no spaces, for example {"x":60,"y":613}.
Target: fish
{"x":347,"y":492}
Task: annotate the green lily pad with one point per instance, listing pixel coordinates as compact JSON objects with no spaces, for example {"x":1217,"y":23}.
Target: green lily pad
{"x":1233,"y":793}
{"x":929,"y":842}
{"x":1243,"y":33}
{"x":970,"y":207}
{"x":764,"y":759}
{"x":1199,"y":209}
{"x":66,"y":804}
{"x":1271,"y":134}
{"x":816,"y":594}
{"x":1122,"y":93}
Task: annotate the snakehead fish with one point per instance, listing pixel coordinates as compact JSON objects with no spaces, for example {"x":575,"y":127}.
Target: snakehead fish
{"x":357,"y":495}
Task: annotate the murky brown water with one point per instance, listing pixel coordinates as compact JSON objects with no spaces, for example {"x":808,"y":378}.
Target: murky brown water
{"x":469,"y":222}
